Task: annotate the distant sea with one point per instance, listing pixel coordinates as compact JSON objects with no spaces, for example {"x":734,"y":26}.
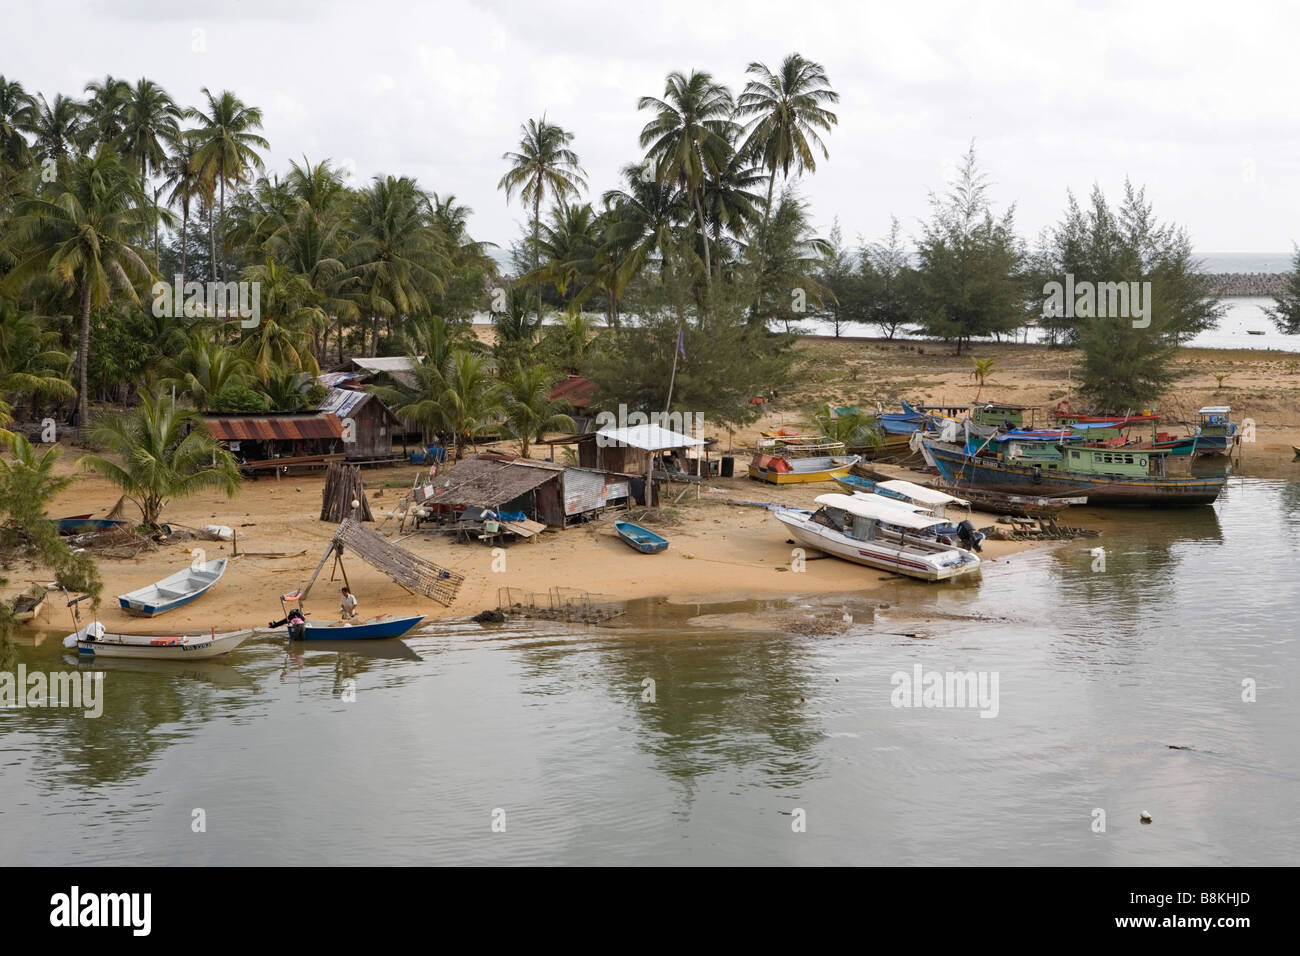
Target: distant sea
{"x":1245,"y":262}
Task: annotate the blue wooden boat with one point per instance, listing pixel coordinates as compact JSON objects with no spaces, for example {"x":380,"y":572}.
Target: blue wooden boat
{"x":173,"y":591}
{"x":80,"y":524}
{"x":647,"y":542}
{"x":375,"y":628}
{"x":852,"y":483}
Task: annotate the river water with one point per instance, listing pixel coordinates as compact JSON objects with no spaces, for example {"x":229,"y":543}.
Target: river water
{"x":756,"y":747}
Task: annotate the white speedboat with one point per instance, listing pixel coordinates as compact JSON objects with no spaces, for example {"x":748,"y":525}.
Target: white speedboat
{"x":94,"y":641}
{"x":880,"y":534}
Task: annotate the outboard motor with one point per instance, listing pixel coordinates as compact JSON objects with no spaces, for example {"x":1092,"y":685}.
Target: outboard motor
{"x":970,"y":538}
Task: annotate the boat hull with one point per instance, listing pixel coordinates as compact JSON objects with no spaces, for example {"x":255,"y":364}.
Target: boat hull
{"x":639,"y":539}
{"x":771,"y":476}
{"x":372,"y":630}
{"x":196,"y":581}
{"x":870,"y":553}
{"x":183,"y":647}
{"x":961,"y":469}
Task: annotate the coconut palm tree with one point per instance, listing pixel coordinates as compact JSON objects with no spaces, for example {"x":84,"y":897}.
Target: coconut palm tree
{"x":161,"y":452}
{"x":397,"y":259}
{"x":83,"y":232}
{"x":226,"y":141}
{"x":458,"y":399}
{"x":104,"y":113}
{"x":689,"y":139}
{"x":854,"y":427}
{"x":57,"y":127}
{"x":17,"y":119}
{"x":544,"y":164}
{"x":151,"y":120}
{"x":787,"y":109}
{"x":529,"y":411}
{"x":31,"y":363}
{"x":290,"y":313}
{"x":181,"y":177}
{"x":644,"y":216}
{"x":203,"y":370}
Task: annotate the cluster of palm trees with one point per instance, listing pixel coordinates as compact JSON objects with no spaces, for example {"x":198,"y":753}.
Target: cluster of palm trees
{"x":100,"y":198}
{"x":700,"y":205}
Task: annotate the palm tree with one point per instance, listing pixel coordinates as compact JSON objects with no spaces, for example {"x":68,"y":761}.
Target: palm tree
{"x":529,"y":411}
{"x":458,"y":399}
{"x":82,"y":232}
{"x":788,"y":108}
{"x":290,"y":313}
{"x":104,"y":112}
{"x":289,"y":390}
{"x":57,"y":127}
{"x":544,"y":164}
{"x":17,"y":119}
{"x":165,"y":453}
{"x":397,"y":258}
{"x":31,"y":363}
{"x":689,"y":139}
{"x":226,"y":144}
{"x":150,"y":121}
{"x":981,"y":369}
{"x":203,"y":369}
{"x":642,"y":221}
{"x":181,"y":176}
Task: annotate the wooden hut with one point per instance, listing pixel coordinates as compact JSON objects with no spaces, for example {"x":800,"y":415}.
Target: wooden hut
{"x":368,"y":426}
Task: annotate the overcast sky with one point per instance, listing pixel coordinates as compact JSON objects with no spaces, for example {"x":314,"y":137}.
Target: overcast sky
{"x":1195,"y":100}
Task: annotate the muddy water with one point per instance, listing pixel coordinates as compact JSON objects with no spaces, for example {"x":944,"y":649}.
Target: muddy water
{"x":735,"y":733}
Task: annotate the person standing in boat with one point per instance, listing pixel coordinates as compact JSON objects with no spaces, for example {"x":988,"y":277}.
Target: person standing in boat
{"x":348,"y":605}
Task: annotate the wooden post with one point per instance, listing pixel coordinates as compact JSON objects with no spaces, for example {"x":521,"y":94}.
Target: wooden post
{"x":649,"y":479}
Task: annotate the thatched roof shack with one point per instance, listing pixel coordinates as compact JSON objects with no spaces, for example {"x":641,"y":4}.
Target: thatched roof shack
{"x":543,"y":491}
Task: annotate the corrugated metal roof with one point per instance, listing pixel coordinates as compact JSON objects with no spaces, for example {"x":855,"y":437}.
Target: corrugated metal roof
{"x":488,"y":482}
{"x":343,"y":401}
{"x":278,"y":428}
{"x":647,"y":437}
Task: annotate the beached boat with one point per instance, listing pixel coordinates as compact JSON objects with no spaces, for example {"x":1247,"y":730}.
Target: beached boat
{"x":643,"y":540}
{"x":94,"y":640}
{"x":1215,"y":431}
{"x":1025,"y":506}
{"x":173,"y":591}
{"x":783,"y":470}
{"x":1043,"y":467}
{"x":867,"y":529}
{"x":80,"y":524}
{"x":29,"y":603}
{"x":375,"y":628}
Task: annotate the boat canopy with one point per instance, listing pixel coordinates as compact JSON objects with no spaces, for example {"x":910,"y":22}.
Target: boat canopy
{"x":1215,"y":410}
{"x":919,"y":493}
{"x":879,"y":510}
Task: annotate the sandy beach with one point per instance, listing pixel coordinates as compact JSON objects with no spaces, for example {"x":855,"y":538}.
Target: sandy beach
{"x":719,"y":551}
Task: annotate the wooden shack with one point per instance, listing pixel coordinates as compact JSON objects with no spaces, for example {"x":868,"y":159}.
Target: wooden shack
{"x":368,"y":426}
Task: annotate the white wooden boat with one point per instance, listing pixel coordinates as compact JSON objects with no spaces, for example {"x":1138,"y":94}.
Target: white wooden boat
{"x":94,"y":640}
{"x":173,"y":591}
{"x":880,"y":534}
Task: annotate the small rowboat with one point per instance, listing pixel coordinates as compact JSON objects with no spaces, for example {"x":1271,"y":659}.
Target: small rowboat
{"x":780,"y":470}
{"x":80,"y":524}
{"x":852,"y":483}
{"x":375,"y":628}
{"x":635,"y":536}
{"x":93,"y":641}
{"x":30,"y":603}
{"x":173,"y":591}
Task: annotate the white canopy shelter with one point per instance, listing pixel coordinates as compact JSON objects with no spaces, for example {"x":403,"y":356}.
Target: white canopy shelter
{"x":647,"y":437}
{"x":878,"y":510}
{"x":929,"y":497}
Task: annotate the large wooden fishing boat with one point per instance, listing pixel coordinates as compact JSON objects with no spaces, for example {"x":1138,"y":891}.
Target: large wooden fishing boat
{"x":1042,"y":467}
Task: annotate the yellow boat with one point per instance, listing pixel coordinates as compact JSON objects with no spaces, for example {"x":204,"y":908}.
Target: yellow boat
{"x":777,"y":470}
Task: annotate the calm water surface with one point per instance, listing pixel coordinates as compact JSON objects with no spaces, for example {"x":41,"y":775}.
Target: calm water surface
{"x":1100,"y":674}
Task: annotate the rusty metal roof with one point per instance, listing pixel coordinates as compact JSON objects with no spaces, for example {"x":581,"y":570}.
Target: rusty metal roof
{"x":272,"y":428}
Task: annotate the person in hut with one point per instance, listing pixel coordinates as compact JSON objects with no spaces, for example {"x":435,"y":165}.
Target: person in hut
{"x":348,"y":605}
